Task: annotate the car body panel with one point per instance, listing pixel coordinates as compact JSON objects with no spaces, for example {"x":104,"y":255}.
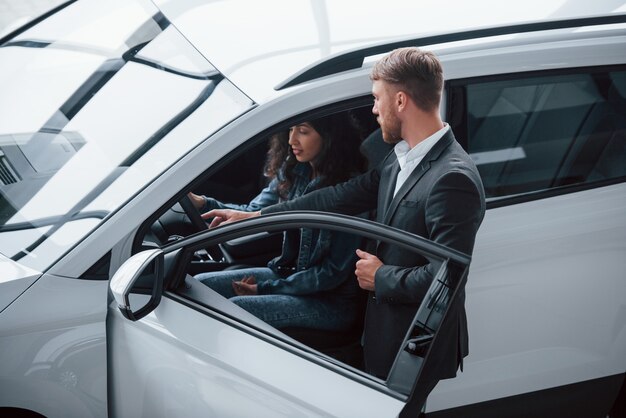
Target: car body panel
{"x":222,"y":371}
{"x":53,"y":349}
{"x":14,"y":280}
{"x":548,"y":263}
{"x":537,"y":52}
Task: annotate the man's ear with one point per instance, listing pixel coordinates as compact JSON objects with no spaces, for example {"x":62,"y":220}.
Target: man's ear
{"x":401,"y":100}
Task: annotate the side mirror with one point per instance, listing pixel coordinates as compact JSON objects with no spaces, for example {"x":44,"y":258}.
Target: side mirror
{"x":138,"y":284}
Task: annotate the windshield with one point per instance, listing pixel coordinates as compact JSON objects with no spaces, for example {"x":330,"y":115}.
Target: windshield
{"x":96,"y":102}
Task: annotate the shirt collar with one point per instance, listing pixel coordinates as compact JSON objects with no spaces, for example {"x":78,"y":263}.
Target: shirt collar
{"x":407,"y":155}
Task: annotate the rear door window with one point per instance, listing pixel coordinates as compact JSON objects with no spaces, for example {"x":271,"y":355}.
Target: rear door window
{"x":541,"y":132}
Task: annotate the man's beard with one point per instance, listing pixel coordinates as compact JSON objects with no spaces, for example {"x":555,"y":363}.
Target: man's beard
{"x":391,"y":129}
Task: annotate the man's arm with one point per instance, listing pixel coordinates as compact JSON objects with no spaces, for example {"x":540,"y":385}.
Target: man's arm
{"x":352,"y":197}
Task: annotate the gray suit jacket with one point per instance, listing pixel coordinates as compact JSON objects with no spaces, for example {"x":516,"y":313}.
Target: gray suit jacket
{"x":442,"y":200}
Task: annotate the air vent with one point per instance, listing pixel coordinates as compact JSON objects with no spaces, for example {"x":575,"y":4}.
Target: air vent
{"x":7,"y":174}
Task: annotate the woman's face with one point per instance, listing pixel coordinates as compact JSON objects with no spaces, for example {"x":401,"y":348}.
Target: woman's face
{"x":305,"y":142}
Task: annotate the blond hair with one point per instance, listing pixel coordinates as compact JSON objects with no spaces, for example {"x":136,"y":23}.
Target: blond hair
{"x":418,"y":73}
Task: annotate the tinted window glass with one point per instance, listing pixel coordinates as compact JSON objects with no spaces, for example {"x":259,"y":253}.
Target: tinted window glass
{"x":539,"y":133}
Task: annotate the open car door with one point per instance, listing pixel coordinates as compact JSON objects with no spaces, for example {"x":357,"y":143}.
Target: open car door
{"x":177,"y":348}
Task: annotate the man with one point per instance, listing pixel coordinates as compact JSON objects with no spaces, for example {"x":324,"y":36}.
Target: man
{"x":428,"y":186}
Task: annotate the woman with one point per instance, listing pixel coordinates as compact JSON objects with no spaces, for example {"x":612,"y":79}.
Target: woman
{"x":311,"y":283}
{"x":279,"y":150}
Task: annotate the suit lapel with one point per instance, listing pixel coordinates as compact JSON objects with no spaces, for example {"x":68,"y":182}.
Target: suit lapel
{"x":392,"y":171}
{"x":415,"y":176}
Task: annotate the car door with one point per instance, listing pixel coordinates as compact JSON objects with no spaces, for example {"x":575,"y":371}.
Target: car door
{"x":187,"y":351}
{"x":555,"y":180}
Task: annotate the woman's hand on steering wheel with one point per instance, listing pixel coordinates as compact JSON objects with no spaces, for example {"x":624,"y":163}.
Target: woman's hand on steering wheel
{"x":193,"y":213}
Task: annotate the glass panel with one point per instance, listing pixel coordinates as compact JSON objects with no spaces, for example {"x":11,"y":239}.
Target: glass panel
{"x":544,"y":132}
{"x":83,"y":104}
{"x":105,"y":26}
{"x":167,"y":50}
{"x":35,"y":83}
{"x":55,"y":242}
{"x":225,"y":103}
{"x":111,"y":129}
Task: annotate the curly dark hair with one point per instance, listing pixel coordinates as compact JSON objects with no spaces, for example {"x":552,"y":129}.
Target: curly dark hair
{"x":339,"y":160}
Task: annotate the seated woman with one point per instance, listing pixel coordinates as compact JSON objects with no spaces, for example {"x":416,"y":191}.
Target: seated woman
{"x":311,"y":284}
{"x":278,"y":152}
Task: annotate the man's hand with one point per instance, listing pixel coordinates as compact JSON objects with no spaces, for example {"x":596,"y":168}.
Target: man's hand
{"x":226,"y":216}
{"x":366,"y":269}
{"x":246,"y":287}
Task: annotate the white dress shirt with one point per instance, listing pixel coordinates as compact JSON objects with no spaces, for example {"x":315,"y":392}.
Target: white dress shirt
{"x":409,"y":158}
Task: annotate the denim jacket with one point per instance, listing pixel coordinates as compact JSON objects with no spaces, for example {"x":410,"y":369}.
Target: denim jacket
{"x":315,"y":260}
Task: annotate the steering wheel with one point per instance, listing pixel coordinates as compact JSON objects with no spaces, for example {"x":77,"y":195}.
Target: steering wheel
{"x":214,"y":251}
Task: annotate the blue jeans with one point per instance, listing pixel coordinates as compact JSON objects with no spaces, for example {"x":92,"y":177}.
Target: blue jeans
{"x":318,"y":311}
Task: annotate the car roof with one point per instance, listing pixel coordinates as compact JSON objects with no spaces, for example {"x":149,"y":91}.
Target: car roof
{"x":262,"y":45}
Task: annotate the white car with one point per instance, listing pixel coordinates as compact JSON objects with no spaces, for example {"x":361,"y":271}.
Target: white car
{"x":112,"y":111}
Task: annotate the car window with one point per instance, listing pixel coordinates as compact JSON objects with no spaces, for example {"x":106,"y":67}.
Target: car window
{"x":241,"y":179}
{"x":541,"y":132}
{"x":116,"y":113}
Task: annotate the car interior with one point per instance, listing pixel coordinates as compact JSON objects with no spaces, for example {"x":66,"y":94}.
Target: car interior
{"x":238,"y":178}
